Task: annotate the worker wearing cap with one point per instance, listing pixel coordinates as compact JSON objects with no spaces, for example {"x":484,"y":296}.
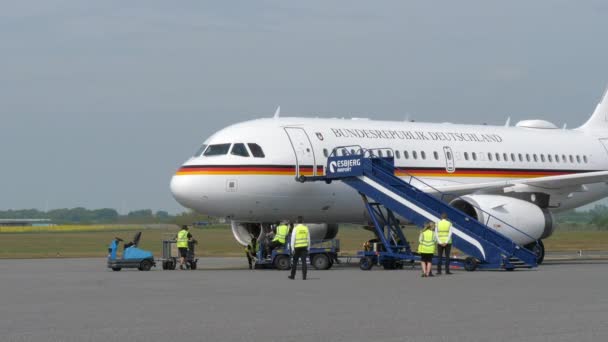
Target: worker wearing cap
{"x":443,"y":231}
{"x":300,"y":243}
{"x":183,"y":236}
{"x":426,"y":248}
{"x":279,"y":238}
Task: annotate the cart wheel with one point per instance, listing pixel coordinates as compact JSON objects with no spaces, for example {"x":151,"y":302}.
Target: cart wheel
{"x":470,"y":264}
{"x":331,"y":263}
{"x":173,"y":264}
{"x":366,"y":263}
{"x":165,"y":265}
{"x":389,"y":264}
{"x":145,"y":265}
{"x":193,"y":265}
{"x":281,"y":262}
{"x":320,"y":261}
{"x":116,"y":269}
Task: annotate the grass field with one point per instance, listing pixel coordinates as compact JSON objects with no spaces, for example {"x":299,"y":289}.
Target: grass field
{"x":213,"y":241}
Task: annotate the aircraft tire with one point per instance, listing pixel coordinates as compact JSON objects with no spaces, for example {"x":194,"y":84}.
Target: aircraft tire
{"x":116,"y":269}
{"x":539,"y":250}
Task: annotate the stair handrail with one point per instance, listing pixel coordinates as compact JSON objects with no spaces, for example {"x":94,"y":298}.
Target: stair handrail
{"x":371,"y":155}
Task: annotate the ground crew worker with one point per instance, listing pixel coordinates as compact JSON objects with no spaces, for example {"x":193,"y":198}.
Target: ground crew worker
{"x":443,"y":231}
{"x":183,"y":236}
{"x":300,"y":243}
{"x":426,"y":247}
{"x":251,"y":252}
{"x":279,"y":238}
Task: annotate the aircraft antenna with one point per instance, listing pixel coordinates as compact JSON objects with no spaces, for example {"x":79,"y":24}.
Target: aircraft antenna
{"x":508,"y":123}
{"x":277,"y":113}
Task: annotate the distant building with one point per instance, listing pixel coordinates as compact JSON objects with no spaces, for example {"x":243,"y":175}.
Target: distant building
{"x":25,"y":222}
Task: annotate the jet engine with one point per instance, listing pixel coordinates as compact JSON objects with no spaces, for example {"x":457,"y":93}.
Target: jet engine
{"x":244,"y":231}
{"x":521,"y":221}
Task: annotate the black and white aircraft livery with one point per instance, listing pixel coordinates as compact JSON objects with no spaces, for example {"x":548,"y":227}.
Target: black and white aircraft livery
{"x":521,"y":174}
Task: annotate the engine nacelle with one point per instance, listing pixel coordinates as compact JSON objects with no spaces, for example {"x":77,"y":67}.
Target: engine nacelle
{"x":527,"y":217}
{"x":244,"y":231}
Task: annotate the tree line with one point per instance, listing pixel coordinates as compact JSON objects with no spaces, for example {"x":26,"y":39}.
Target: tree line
{"x":81,"y":215}
{"x":596,"y":217}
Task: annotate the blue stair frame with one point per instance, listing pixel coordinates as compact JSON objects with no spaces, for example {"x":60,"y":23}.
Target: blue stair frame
{"x":373,"y":177}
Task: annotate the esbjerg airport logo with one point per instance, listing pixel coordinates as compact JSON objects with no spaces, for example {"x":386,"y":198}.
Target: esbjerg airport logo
{"x":339,"y":166}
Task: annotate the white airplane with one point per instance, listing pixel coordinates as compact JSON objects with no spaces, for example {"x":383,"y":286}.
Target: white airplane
{"x":522,"y":174}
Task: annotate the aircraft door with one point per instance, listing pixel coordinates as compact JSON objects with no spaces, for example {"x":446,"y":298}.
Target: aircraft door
{"x":450,"y":167}
{"x":305,"y":156}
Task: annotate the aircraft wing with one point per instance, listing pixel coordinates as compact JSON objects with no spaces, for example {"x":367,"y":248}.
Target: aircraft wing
{"x":547,"y":184}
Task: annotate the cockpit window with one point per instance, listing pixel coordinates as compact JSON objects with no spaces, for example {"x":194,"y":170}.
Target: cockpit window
{"x":217,"y":150}
{"x":256,"y":150}
{"x":200,"y":151}
{"x":239,"y":150}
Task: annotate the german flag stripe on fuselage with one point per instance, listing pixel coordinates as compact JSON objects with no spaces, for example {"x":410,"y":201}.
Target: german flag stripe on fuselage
{"x":290,"y":170}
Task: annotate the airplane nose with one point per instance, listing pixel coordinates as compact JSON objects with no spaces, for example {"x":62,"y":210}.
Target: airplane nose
{"x":181,"y":189}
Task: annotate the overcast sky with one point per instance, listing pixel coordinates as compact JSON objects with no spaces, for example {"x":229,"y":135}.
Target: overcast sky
{"x":101,"y":101}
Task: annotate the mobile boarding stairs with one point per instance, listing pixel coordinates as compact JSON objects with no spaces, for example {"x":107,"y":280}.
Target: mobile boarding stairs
{"x":374,"y":178}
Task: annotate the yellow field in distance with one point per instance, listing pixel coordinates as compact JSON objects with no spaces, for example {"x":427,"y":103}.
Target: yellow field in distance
{"x":69,"y":228}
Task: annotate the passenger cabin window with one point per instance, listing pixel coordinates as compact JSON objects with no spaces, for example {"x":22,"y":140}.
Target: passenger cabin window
{"x":557,"y":158}
{"x":542,"y":158}
{"x":398,"y":154}
{"x":414,"y":155}
{"x":585,"y":159}
{"x":535,"y":157}
{"x":406,"y":155}
{"x":474,"y":155}
{"x":200,"y":151}
{"x":505,"y":157}
{"x":549,"y":158}
{"x":436,"y":155}
{"x":325,"y":153}
{"x":497,"y":156}
{"x":512,"y":157}
{"x":578,"y":159}
{"x":422,"y":155}
{"x":521,"y":158}
{"x":256,"y":150}
{"x":571,"y":159}
{"x":239,"y":150}
{"x":217,"y":150}
{"x":466,"y":156}
{"x":489,"y":156}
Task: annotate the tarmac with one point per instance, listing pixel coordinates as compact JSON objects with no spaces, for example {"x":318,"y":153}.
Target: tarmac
{"x":81,"y":300}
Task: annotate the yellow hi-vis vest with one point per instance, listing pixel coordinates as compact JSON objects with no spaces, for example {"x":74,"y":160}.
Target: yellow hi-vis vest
{"x":427,"y":242}
{"x":443,"y":230}
{"x":281,"y":234}
{"x":301,"y":236}
{"x":182,"y":239}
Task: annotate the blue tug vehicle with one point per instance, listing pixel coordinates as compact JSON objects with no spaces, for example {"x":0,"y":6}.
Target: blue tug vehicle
{"x":132,"y":256}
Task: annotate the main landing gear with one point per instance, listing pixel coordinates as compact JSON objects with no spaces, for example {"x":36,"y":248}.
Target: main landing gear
{"x":538,"y":249}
